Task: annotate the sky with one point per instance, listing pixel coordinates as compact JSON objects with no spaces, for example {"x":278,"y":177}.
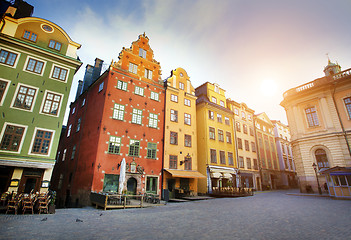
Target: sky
{"x":254,"y":49}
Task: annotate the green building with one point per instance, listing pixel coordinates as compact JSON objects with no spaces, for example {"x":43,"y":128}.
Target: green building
{"x":37,"y":63}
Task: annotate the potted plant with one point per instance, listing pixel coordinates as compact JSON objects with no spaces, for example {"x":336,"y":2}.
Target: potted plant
{"x":52,"y":195}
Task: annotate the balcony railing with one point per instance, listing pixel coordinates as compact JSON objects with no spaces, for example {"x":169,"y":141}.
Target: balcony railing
{"x":342,"y":74}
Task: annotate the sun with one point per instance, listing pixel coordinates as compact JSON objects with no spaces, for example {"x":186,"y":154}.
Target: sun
{"x":268,"y":87}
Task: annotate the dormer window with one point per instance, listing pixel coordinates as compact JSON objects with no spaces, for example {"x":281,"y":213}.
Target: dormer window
{"x":30,"y":36}
{"x":142,"y":53}
{"x":55,"y":45}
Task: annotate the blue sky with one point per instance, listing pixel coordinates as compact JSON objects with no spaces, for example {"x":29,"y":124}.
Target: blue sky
{"x":239,"y":44}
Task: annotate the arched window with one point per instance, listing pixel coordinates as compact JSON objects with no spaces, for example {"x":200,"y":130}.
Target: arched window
{"x":322,"y":159}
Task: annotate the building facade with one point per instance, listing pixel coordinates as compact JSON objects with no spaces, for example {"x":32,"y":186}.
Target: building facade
{"x":319,"y":116}
{"x":245,"y":143}
{"x":119,"y":116}
{"x":286,"y":161}
{"x":38,"y":60}
{"x":267,"y":152}
{"x":215,"y":138}
{"x":180,"y":174}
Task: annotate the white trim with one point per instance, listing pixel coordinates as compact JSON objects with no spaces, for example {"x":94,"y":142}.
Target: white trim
{"x":26,"y":163}
{"x":32,"y":142}
{"x":6,"y":89}
{"x":43,"y":101}
{"x":15,"y":96}
{"x":37,"y":59}
{"x":59,"y":66}
{"x":23,"y":136}
{"x":12,"y":51}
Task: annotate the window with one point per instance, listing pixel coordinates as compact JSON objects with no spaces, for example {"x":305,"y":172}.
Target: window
{"x":42,"y":142}
{"x":220,"y":135}
{"x":24,"y":98}
{"x":236,"y":111}
{"x":249,"y":117}
{"x":226,"y":120}
{"x":111,"y":183}
{"x":153,"y":120}
{"x":230,"y":159}
{"x":221,"y":103}
{"x":133,"y":68}
{"x":222,"y":157}
{"x":347,"y":102}
{"x":51,"y":103}
{"x":321,"y":158}
{"x":181,"y":85}
{"x":187,"y":102}
{"x":151,"y":184}
{"x":34,"y":65}
{"x":240,"y":143}
{"x":101,"y":86}
{"x":173,"y":161}
{"x":210,"y":115}
{"x":238,"y":129}
{"x":174,"y":115}
{"x":247,"y":145}
{"x":12,"y":138}
{"x":214,"y":100}
{"x":219,"y":118}
{"x":122,"y":85}
{"x":243,"y":115}
{"x":83,"y":102}
{"x":216,"y":89}
{"x":187,"y":140}
{"x":253,"y":147}
{"x":154,"y":96}
{"x":312,"y":117}
{"x":251,"y":131}
{"x":174,"y":138}
{"x":78,"y":124}
{"x":64,"y":155}
{"x":55,"y":45}
{"x":228,"y":137}
{"x":148,"y":73}
{"x":69,"y":130}
{"x":241,"y":162}
{"x":255,"y":164}
{"x":73,"y":152}
{"x":142,"y":53}
{"x":213,"y":156}
{"x":212,"y":133}
{"x":151,"y":150}
{"x":248,"y":163}
{"x":245,"y":128}
{"x":30,"y":36}
{"x":174,"y":98}
{"x":7,"y":57}
{"x":118,"y":112}
{"x":114,"y":145}
{"x":3,"y":86}
{"x":137,"y":116}
{"x":187,"y":119}
{"x":134,"y":146}
{"x":187,"y":163}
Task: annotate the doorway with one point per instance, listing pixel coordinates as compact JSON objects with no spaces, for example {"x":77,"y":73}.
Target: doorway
{"x":132,"y":186}
{"x":171,"y":187}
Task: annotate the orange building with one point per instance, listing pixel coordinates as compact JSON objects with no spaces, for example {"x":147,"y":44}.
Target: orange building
{"x":120,"y":115}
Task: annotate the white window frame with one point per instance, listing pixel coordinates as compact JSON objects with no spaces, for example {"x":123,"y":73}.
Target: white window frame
{"x":5,"y":91}
{"x":174,"y":98}
{"x":61,"y":67}
{"x":139,"y":91}
{"x":11,"y":51}
{"x":221,"y":103}
{"x":214,"y":100}
{"x":181,"y":85}
{"x":117,"y":110}
{"x":153,"y":120}
{"x":37,"y":59}
{"x":187,"y":102}
{"x":154,"y":96}
{"x":43,"y":103}
{"x":23,"y":136}
{"x":69,"y":130}
{"x":187,"y":119}
{"x":15,"y":96}
{"x":135,"y":116}
{"x":142,"y":53}
{"x":148,"y":74}
{"x":122,"y":85}
{"x":133,"y":68}
{"x":33,"y":138}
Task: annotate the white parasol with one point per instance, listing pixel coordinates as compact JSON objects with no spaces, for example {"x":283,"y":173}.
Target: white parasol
{"x":122,"y":176}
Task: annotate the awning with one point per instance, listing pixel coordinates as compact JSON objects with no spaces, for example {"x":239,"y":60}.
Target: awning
{"x":245,"y":174}
{"x":227,"y":175}
{"x":216,"y":175}
{"x":185,"y":174}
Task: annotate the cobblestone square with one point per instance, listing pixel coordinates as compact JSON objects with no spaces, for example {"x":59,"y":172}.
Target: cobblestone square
{"x":266,"y":215}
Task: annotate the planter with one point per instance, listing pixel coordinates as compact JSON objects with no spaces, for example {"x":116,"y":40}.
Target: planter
{"x":51,"y":209}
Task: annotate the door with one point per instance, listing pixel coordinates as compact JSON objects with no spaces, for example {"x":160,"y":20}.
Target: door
{"x":171,"y":187}
{"x":29,"y":183}
{"x":131,"y":186}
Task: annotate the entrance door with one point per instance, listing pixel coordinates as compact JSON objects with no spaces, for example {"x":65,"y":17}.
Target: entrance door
{"x":132,"y":186}
{"x":5,"y":177}
{"x":171,"y":187}
{"x":29,"y":183}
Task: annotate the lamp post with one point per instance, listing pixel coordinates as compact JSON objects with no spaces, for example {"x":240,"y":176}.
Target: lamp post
{"x":314,"y":165}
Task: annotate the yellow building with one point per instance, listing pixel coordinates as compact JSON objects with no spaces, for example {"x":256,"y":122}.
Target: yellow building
{"x":180,"y":149}
{"x":244,"y":133}
{"x":216,"y":146}
{"x":267,"y":152}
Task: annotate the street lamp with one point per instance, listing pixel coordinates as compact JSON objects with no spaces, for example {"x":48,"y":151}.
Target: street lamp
{"x":186,"y":159}
{"x":314,"y":165}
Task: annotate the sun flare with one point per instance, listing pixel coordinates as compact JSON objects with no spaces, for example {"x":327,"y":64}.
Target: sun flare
{"x":268,"y":87}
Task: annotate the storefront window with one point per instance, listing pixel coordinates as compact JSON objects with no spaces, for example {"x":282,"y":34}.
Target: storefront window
{"x":111,"y":182}
{"x":336,"y":181}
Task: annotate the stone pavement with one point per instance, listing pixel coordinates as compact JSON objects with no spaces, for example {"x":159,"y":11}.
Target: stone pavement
{"x":266,"y":215}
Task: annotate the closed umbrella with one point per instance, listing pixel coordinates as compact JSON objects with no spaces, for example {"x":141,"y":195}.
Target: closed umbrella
{"x":122,"y":176}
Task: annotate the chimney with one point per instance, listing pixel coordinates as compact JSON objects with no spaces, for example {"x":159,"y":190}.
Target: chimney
{"x":87,"y":77}
{"x":79,"y":88}
{"x":97,"y":69}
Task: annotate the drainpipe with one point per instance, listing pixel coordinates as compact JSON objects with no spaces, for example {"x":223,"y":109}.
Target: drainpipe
{"x":236,"y":148}
{"x":258,"y":154}
{"x":340,"y":121}
{"x":163,"y":148}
